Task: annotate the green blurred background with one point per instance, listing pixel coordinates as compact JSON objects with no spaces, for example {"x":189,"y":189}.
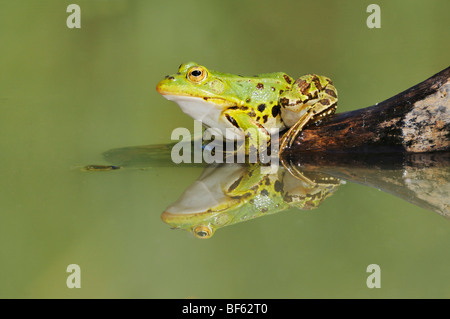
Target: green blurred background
{"x":67,"y":95}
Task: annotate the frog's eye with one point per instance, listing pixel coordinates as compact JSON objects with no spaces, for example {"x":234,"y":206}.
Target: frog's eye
{"x":202,"y":231}
{"x":196,"y":74}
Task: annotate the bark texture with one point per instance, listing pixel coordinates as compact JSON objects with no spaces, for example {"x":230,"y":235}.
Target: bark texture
{"x":416,"y":120}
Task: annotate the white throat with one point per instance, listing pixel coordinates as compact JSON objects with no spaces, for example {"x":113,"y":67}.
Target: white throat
{"x":210,"y":114}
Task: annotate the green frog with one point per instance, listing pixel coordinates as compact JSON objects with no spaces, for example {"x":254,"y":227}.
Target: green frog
{"x":254,"y":107}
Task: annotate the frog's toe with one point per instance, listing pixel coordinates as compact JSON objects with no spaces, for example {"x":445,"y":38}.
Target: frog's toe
{"x":289,"y":137}
{"x":284,"y":143}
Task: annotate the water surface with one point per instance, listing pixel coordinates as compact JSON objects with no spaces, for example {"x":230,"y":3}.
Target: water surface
{"x":67,"y":96}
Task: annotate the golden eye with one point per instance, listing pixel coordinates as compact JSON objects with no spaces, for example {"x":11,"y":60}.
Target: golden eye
{"x":202,"y":232}
{"x":196,"y":74}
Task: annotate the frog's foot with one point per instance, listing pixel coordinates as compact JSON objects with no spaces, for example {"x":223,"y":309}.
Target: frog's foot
{"x":289,"y":137}
{"x":257,"y":137}
{"x":249,"y":150}
{"x":295,"y":172}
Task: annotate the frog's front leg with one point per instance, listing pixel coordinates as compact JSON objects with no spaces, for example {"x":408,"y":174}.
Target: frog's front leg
{"x":255,"y":133}
{"x":311,"y":98}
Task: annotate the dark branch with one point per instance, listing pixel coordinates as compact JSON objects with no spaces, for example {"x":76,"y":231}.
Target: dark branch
{"x":416,"y":120}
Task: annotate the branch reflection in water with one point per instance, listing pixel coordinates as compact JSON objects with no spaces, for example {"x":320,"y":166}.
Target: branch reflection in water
{"x":227,"y":194}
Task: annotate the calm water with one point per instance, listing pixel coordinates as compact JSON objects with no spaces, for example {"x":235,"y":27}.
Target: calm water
{"x":67,"y":96}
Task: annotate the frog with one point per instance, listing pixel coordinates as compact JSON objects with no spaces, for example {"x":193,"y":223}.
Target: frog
{"x":230,"y":193}
{"x":253,"y":107}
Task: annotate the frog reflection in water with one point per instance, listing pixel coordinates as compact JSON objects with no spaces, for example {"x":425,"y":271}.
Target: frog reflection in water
{"x":255,"y":107}
{"x":233,"y":193}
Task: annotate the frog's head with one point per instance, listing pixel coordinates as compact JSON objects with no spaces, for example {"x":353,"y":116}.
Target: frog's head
{"x":200,"y":93}
{"x":204,"y":94}
{"x":195,"y":82}
{"x":223,"y":195}
{"x":205,"y":206}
